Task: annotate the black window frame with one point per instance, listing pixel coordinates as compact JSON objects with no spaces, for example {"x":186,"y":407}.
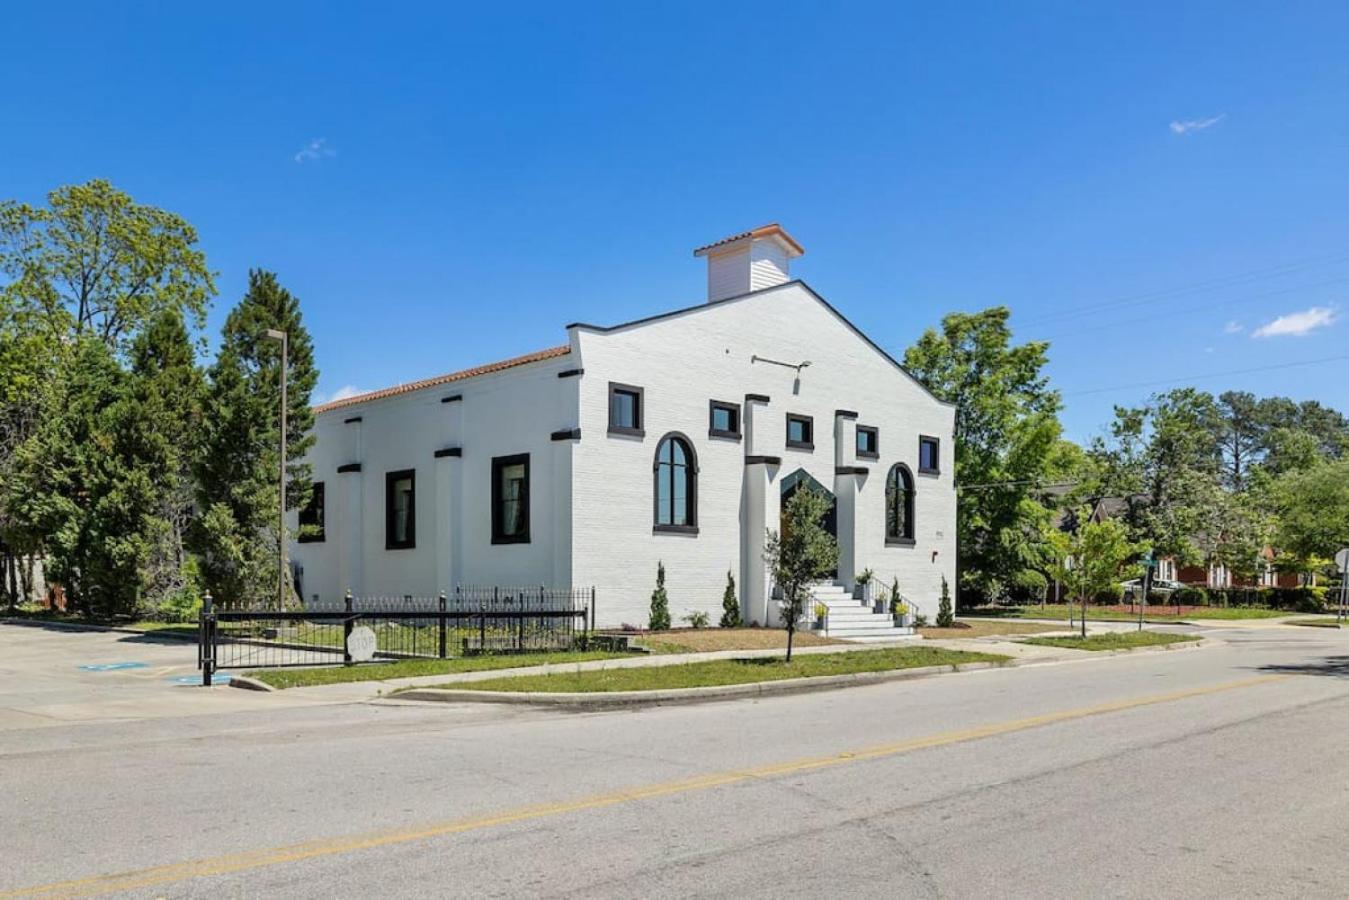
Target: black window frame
{"x":924,"y":439}
{"x":499,"y":463}
{"x":901,"y":474}
{"x":312,"y":514}
{"x":733,"y":433}
{"x":639,"y":395}
{"x":809,"y":422}
{"x":691,"y":494}
{"x":875,"y":434}
{"x":390,"y":478}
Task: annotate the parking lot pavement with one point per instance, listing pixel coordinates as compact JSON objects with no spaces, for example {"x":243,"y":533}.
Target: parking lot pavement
{"x":52,"y":676}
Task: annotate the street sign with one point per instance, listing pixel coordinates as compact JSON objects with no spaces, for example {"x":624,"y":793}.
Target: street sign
{"x":1342,"y":560}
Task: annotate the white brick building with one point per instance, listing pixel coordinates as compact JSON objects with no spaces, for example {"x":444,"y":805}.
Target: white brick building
{"x":672,"y":438}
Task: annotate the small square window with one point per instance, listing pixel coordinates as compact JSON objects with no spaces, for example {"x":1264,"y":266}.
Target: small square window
{"x":929,"y":455}
{"x":400,"y":510}
{"x":868,"y":442}
{"x":723,"y":420}
{"x":311,"y":517}
{"x":800,"y":432}
{"x":625,"y":409}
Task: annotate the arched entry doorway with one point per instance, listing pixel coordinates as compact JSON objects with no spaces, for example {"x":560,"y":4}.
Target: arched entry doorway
{"x":795,"y":482}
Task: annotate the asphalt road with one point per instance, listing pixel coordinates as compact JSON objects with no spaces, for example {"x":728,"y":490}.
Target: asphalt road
{"x":1215,"y":772}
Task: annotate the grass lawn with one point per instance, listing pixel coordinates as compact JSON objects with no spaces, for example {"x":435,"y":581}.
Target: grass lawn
{"x":1114,"y":640}
{"x":1123,"y":613}
{"x":977,"y":628}
{"x":730,"y":671}
{"x":703,"y":640}
{"x":1328,"y":622}
{"x":408,"y":668}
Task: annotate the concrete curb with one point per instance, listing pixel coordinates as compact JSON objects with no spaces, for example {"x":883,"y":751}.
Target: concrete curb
{"x":250,"y":684}
{"x":598,"y":699}
{"x":613,"y":699}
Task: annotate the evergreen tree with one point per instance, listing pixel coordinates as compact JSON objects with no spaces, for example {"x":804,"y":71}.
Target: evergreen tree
{"x":945,"y":617}
{"x":164,"y":407}
{"x":730,"y":606}
{"x":87,"y":485}
{"x":237,"y":471}
{"x":659,"y":620}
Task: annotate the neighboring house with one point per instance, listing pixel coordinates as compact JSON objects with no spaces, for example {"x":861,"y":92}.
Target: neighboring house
{"x":1212,"y":574}
{"x":675,"y":438}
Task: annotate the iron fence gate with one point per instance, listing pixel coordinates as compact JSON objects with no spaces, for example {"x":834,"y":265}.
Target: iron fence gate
{"x":472,"y":620}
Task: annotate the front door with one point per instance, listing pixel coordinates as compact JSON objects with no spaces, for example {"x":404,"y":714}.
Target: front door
{"x":829,"y":521}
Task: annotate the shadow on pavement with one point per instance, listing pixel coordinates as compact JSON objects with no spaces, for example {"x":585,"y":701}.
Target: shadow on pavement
{"x":1331,"y":665}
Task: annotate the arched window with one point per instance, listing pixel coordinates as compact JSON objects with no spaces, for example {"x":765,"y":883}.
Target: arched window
{"x":899,"y":505}
{"x":676,"y":489}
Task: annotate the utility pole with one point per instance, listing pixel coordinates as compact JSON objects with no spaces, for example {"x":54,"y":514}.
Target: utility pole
{"x":283,"y":338}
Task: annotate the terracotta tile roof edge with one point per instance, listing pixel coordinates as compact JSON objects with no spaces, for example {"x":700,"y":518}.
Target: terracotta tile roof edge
{"x":761,"y":231}
{"x":409,"y":387}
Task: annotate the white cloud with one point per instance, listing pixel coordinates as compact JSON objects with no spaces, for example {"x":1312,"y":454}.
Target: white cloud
{"x":345,"y":392}
{"x":1298,"y":324}
{"x":1185,"y":127}
{"x":315,"y":150}
{"x":1233,"y":327}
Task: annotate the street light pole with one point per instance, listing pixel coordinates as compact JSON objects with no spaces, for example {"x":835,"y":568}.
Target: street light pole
{"x":275,"y":335}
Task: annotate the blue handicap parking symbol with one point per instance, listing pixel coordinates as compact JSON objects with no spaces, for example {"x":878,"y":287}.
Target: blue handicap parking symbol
{"x":112,"y":667}
{"x":217,"y":678}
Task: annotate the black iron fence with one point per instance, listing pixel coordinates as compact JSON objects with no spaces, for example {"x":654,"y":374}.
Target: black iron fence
{"x":363,"y":629}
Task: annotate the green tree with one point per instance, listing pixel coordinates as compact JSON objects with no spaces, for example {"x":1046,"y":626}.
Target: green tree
{"x":1092,"y":559}
{"x":1312,"y":509}
{"x":238,"y":466}
{"x":93,"y":262}
{"x":85,"y":483}
{"x":730,"y":606}
{"x":659,"y":617}
{"x":803,"y":552}
{"x":1006,"y":431}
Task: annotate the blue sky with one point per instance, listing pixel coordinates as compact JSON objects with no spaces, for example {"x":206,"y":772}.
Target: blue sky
{"x":1146,"y":185}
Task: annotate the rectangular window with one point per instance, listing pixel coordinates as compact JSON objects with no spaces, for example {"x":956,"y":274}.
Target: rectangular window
{"x":800,"y":432}
{"x":311,"y":517}
{"x":723,"y":420}
{"x":929,"y":455}
{"x":510,"y":499}
{"x":400,"y":510}
{"x":625,"y":409}
{"x":868,"y":442}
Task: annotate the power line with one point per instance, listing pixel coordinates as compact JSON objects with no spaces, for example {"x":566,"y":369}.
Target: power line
{"x":1163,"y":382}
{"x":1212,"y":284}
{"x":1171,"y":313}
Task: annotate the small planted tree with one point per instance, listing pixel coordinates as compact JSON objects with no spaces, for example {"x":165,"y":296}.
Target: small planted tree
{"x":802,"y":553}
{"x":1093,"y":560}
{"x":659,"y":619}
{"x":945,"y":617}
{"x":730,"y":606}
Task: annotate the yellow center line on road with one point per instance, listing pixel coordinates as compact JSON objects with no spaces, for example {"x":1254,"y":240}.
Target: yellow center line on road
{"x":257,"y":859}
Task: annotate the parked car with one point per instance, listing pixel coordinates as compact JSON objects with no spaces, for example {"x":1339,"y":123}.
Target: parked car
{"x":1159,"y":586}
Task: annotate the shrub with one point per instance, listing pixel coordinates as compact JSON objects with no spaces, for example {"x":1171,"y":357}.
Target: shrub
{"x":1028,"y":586}
{"x":730,"y":606}
{"x":698,"y":619}
{"x":920,"y":621}
{"x":1112,"y":595}
{"x":1191,"y":596}
{"x":659,"y":619}
{"x":946,"y":618}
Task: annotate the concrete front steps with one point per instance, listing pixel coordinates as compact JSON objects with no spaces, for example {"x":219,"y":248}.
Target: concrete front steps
{"x":851,"y":620}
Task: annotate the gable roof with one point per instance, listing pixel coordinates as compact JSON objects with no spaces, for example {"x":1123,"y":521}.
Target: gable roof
{"x":409,"y":387}
{"x":772,"y":229}
{"x":688,"y":310}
